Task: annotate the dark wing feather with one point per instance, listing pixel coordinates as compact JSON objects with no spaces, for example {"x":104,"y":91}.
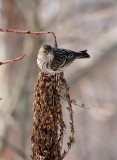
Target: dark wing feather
{"x":62,"y":57}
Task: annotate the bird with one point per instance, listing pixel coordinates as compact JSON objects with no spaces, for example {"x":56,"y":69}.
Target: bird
{"x":55,"y":60}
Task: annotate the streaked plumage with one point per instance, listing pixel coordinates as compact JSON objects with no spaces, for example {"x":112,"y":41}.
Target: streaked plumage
{"x":55,"y":60}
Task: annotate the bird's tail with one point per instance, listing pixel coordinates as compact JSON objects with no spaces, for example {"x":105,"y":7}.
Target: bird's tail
{"x":83,"y":54}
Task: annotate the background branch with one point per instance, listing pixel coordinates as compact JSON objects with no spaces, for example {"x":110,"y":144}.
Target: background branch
{"x":15,"y":149}
{"x":12,"y":60}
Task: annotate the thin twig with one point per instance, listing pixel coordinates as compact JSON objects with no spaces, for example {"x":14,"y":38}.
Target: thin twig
{"x":74,"y":102}
{"x":30,"y":33}
{"x":12,"y":60}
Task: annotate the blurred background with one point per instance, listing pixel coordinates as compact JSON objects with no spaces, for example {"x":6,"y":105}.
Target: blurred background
{"x":78,"y":25}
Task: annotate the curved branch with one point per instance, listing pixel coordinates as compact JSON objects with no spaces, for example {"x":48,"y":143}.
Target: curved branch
{"x":30,"y":33}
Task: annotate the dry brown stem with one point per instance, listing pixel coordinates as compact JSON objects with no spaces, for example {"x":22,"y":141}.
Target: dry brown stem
{"x":74,"y":103}
{"x":49,"y":127}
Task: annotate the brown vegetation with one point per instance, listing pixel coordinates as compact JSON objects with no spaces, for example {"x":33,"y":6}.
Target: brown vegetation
{"x":49,"y":127}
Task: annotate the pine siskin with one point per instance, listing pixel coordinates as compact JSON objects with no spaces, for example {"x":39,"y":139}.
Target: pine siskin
{"x":55,"y":60}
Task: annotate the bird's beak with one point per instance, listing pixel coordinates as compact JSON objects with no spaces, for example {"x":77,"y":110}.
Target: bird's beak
{"x":50,"y":54}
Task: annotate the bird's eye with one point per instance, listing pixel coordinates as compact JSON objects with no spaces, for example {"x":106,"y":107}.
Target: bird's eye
{"x":44,"y":51}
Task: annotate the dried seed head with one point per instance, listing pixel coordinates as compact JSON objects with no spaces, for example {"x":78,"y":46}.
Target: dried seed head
{"x":48,"y":128}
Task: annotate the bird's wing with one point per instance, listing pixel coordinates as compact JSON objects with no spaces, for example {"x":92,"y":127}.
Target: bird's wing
{"x":62,"y":58}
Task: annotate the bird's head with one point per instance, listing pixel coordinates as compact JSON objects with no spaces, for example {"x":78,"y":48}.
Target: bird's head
{"x":46,"y":52}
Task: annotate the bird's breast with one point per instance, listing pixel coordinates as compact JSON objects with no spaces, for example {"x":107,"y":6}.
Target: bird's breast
{"x":41,"y":63}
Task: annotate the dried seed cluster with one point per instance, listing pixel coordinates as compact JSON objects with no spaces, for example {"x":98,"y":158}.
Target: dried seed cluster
{"x":49,"y":127}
